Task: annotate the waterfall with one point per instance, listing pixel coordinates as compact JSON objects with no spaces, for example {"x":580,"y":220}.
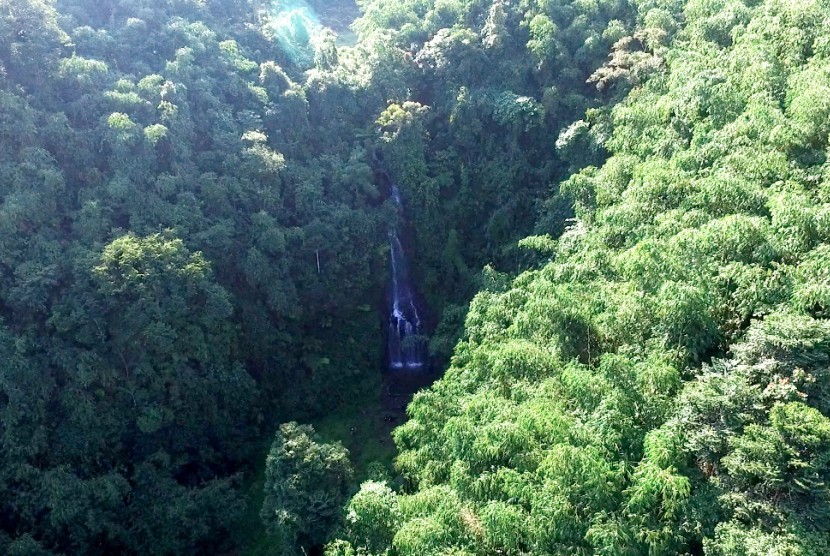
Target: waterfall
{"x":407,"y":346}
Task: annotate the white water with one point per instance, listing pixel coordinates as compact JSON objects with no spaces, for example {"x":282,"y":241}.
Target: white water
{"x":407,"y":347}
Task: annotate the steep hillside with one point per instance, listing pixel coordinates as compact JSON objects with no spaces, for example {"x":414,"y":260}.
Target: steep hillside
{"x":659,"y":386}
{"x":189,"y":253}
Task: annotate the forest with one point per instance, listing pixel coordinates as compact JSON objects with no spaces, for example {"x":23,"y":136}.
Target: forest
{"x":616,"y":218}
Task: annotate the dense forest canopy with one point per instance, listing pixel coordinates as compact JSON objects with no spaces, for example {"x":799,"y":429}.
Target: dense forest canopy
{"x":618,"y":214}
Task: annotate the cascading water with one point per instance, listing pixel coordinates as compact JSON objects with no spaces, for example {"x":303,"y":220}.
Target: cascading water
{"x":407,"y":346}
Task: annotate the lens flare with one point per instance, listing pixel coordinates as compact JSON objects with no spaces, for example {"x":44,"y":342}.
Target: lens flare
{"x":294,"y":24}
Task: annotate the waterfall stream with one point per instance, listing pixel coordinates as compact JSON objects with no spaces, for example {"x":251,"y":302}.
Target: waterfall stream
{"x":407,"y":345}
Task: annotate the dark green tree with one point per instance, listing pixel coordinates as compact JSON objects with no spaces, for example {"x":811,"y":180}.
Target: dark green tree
{"x":306,"y":485}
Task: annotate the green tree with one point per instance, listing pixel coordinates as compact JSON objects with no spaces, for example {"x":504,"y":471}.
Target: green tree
{"x":306,"y":485}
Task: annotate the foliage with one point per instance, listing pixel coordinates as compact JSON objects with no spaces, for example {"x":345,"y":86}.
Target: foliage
{"x":306,"y":485}
{"x":193,"y":238}
{"x":168,"y":184}
{"x":493,"y":82}
{"x":656,"y":382}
